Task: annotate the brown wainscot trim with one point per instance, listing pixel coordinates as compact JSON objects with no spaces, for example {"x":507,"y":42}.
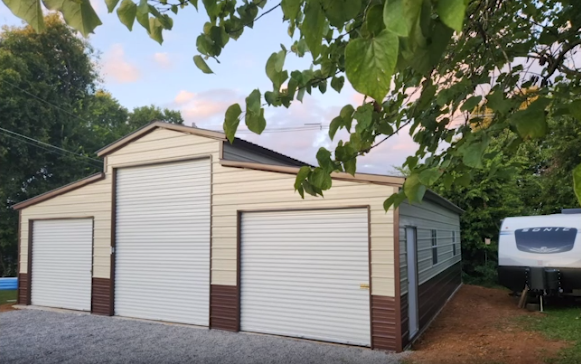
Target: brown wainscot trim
{"x":435,"y":293}
{"x":29,"y":268}
{"x":59,"y":191}
{"x":397,"y":282}
{"x":383,"y":324}
{"x":224,"y":307}
{"x":405,"y":328}
{"x":113,"y":242}
{"x":100,"y":296}
{"x":23,"y":292}
{"x":432,"y":297}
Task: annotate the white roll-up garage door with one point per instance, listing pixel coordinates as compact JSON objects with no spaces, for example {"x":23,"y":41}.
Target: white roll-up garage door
{"x":305,"y":273}
{"x":62,"y":263}
{"x":162,"y":264}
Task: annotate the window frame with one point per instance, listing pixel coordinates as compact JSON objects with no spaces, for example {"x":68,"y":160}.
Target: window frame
{"x":454,"y":251}
{"x":434,"y":247}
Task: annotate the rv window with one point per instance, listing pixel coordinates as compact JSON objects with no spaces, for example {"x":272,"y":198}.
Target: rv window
{"x":434,"y":247}
{"x":454,"y":243}
{"x":545,"y":240}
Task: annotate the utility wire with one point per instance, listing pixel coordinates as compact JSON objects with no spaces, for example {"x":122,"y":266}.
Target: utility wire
{"x":46,"y":102}
{"x":49,"y":145}
{"x":50,"y":150}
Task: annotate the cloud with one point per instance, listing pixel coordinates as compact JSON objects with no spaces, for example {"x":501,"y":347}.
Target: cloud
{"x":117,"y":69}
{"x":163,"y":60}
{"x":206,"y":109}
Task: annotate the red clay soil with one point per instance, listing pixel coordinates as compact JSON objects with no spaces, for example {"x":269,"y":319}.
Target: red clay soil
{"x":7,"y":307}
{"x":479,"y":326}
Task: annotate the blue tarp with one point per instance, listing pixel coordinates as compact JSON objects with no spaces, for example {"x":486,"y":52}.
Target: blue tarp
{"x":7,"y":284}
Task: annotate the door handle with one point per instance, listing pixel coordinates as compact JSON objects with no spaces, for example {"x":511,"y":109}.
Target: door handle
{"x":364,"y":286}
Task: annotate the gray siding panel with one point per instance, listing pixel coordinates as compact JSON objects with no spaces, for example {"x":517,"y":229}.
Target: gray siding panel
{"x":426,"y":217}
{"x":241,"y":154}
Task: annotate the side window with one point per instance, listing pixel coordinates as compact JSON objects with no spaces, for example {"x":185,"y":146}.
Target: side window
{"x":454,"y":242}
{"x":434,"y":247}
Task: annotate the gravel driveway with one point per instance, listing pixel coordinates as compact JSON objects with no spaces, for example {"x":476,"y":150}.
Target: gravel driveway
{"x":35,"y":336}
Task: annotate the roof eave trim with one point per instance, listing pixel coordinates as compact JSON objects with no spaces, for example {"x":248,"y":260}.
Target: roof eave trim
{"x":59,"y":191}
{"x":434,"y":197}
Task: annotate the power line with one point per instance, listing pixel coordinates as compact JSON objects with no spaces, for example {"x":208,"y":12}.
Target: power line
{"x":49,"y":145}
{"x":46,"y":102}
{"x":94,"y":162}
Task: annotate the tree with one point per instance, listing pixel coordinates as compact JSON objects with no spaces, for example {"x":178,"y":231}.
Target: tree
{"x":44,"y":79}
{"x":53,"y":119}
{"x":420,"y":63}
{"x":146,"y":114}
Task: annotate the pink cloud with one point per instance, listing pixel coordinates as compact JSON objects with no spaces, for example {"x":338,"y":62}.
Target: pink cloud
{"x":163,"y":60}
{"x":117,"y":69}
{"x":206,"y":109}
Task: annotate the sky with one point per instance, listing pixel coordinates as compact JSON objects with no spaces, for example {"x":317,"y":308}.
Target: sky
{"x":138,"y":71}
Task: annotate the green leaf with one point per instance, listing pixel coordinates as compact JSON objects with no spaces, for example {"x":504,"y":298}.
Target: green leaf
{"x":212,"y":8}
{"x":321,"y":179}
{"x":201,"y":64}
{"x":254,"y":113}
{"x":531,"y":122}
{"x":325,"y":161}
{"x":473,"y":152}
{"x":337,"y":83}
{"x":411,"y":162}
{"x":350,"y":166}
{"x":399,"y":16}
{"x":255,"y":121}
{"x":29,"y":11}
{"x":78,"y":14}
{"x":340,"y":11}
{"x":301,"y":94}
{"x":143,"y":15}
{"x":471,"y":103}
{"x":374,"y":19}
{"x":363,"y":115}
{"x":414,"y":189}
{"x":369,"y":64}
{"x":301,"y":176}
{"x":274,"y":69}
{"x":290,"y":8}
{"x":577,"y":182}
{"x":219,"y":36}
{"x":336,"y":123}
{"x":394,"y":200}
{"x":452,"y":13}
{"x":313,"y":27}
{"x":231,"y":121}
{"x":111,"y":4}
{"x":575,"y":109}
{"x":347,"y":115}
{"x":429,"y":176}
{"x":253,"y":101}
{"x":126,"y":13}
{"x":155,"y":30}
{"x":498,"y":103}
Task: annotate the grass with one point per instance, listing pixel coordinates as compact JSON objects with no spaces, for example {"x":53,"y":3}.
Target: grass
{"x":560,"y":323}
{"x":6,"y":296}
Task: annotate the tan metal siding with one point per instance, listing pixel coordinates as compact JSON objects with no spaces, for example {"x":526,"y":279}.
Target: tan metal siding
{"x":238,"y":189}
{"x":95,"y":199}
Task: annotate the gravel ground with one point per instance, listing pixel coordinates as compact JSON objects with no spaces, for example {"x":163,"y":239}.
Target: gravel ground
{"x":35,"y":336}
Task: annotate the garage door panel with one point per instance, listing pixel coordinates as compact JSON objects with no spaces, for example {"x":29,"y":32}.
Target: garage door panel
{"x":301,"y":274}
{"x":62,"y":263}
{"x":163,"y":242}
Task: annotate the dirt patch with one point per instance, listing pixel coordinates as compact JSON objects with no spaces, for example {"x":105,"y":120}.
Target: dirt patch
{"x":7,"y":307}
{"x":478,"y":326}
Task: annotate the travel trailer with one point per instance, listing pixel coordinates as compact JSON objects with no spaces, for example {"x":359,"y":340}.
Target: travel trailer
{"x":541,"y":252}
